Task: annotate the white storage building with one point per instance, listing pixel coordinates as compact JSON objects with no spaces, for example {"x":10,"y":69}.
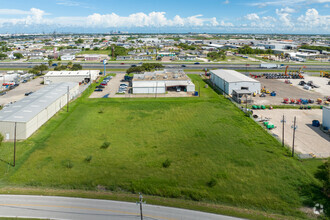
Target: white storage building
{"x":229,"y":80}
{"x":326,"y":117}
{"x":161,"y":82}
{"x":68,"y":57}
{"x":70,"y":76}
{"x":30,"y":113}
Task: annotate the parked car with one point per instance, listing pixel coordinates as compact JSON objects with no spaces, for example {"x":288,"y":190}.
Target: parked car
{"x":104,"y":83}
{"x":98,"y":90}
{"x":28,"y":93}
{"x":3,"y":93}
{"x":100,"y":87}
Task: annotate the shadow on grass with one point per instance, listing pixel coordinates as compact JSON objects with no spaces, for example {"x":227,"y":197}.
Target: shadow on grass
{"x":314,"y":193}
{"x":6,"y":162}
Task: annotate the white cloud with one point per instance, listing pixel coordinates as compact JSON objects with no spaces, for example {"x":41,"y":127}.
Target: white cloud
{"x":226,"y":2}
{"x":312,"y":18}
{"x":287,"y":10}
{"x":19,"y":12}
{"x":252,"y":17}
{"x":284,"y":17}
{"x":288,"y":2}
{"x":68,"y":3}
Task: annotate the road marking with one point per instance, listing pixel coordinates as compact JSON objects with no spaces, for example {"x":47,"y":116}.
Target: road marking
{"x":86,"y":208}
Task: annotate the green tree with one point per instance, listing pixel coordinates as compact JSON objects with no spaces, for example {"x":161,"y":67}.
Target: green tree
{"x":79,"y":41}
{"x":18,"y":55}
{"x":76,"y":67}
{"x":3,"y":56}
{"x":69,"y":65}
{"x":50,"y":62}
{"x":137,"y":69}
{"x":95,"y":40}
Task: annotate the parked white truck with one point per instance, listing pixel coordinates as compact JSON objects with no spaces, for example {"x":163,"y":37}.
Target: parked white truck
{"x":270,"y":65}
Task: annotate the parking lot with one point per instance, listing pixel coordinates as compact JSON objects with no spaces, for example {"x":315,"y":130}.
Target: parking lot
{"x":284,"y":90}
{"x":308,"y":139}
{"x":19,"y":92}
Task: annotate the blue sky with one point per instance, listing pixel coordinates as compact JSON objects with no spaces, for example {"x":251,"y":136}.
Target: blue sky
{"x":159,"y":16}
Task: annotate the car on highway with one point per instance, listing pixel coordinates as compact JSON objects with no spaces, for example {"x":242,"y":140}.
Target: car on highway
{"x":54,"y":64}
{"x":98,"y":90}
{"x":29,"y":66}
{"x":197,"y":63}
{"x":133,"y":65}
{"x":183,"y":65}
{"x":122,"y":63}
{"x":141,"y":63}
{"x":28,"y":93}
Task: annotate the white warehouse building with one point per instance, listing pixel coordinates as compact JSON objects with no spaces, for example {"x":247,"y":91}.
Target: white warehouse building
{"x":71,"y":76}
{"x":161,"y":82}
{"x":31,"y":112}
{"x":326,"y":117}
{"x":231,"y":80}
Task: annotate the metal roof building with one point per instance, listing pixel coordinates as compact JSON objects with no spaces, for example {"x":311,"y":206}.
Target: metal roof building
{"x":30,"y":113}
{"x":70,"y":76}
{"x":162,"y":81}
{"x":229,"y":80}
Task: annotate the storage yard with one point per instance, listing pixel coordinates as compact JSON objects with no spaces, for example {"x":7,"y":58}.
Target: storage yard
{"x":308,"y":139}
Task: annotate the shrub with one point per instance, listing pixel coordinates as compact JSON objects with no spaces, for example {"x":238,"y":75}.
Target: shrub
{"x":212,"y":182}
{"x":166,"y":163}
{"x":105,"y":145}
{"x":67,"y":163}
{"x":88,"y":159}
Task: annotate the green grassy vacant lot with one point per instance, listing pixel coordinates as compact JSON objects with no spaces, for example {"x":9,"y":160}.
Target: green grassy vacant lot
{"x":200,"y":149}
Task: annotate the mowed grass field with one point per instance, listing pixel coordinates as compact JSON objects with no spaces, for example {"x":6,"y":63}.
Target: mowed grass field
{"x":200,"y":149}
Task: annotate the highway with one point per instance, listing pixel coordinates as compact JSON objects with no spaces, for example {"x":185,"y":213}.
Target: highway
{"x":53,"y":207}
{"x":169,"y":65}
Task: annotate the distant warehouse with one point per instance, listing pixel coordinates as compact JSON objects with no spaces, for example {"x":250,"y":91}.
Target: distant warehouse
{"x":162,"y":82}
{"x":80,"y":76}
{"x":326,"y":117}
{"x":231,"y":81}
{"x":30,"y":113}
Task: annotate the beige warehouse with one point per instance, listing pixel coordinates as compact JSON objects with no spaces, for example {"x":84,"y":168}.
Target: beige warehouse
{"x":30,"y":113}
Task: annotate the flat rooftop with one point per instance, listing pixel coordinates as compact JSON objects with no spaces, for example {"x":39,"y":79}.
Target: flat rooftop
{"x":233,"y":76}
{"x":29,"y":107}
{"x":163,"y":75}
{"x":72,"y":73}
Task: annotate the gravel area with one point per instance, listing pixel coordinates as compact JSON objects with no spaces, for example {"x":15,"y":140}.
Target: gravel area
{"x":308,"y":139}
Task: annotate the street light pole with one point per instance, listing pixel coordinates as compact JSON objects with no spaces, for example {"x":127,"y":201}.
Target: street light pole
{"x":294,"y":132}
{"x":140,"y":203}
{"x":283,"y":122}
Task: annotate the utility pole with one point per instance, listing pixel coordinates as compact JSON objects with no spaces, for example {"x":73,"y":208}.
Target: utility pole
{"x":68,"y":96}
{"x":294,"y":126}
{"x":246,"y":103}
{"x":283,"y":122}
{"x":15,"y":145}
{"x":140,"y":202}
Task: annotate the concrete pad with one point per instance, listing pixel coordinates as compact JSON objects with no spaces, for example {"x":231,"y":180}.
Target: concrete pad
{"x":308,"y":139}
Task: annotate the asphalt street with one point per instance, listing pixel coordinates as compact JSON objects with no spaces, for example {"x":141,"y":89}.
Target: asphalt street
{"x":169,"y":65}
{"x":54,"y":207}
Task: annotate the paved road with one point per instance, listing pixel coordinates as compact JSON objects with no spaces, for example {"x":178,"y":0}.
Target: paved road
{"x":169,"y":65}
{"x":78,"y":208}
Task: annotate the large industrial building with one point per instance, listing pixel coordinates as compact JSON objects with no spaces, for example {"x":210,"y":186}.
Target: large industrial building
{"x":30,"y":113}
{"x":80,"y":76}
{"x":231,"y":81}
{"x":162,"y":82}
{"x":326,"y":117}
